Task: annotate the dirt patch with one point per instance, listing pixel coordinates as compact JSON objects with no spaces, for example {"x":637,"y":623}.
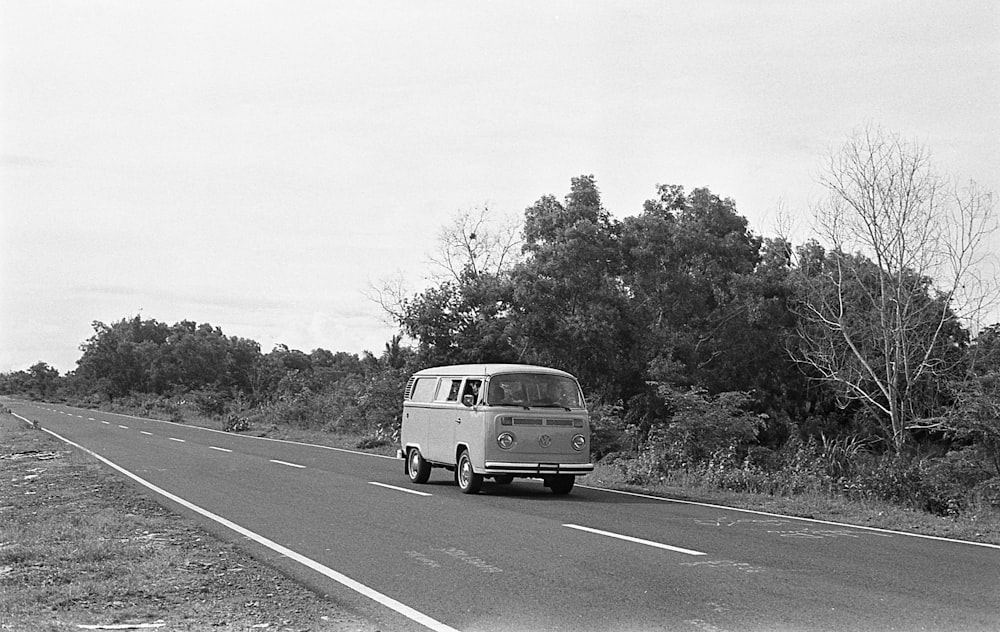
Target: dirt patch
{"x":80,"y":547}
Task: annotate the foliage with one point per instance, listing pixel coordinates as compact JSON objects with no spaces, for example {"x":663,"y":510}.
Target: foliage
{"x":707,"y":353}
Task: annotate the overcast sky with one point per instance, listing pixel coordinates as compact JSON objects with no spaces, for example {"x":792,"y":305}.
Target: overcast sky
{"x":255,"y":165}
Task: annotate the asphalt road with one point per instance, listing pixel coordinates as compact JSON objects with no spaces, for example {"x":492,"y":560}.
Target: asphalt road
{"x":517,"y":558}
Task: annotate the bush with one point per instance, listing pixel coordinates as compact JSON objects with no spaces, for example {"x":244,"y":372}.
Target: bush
{"x":208,"y":403}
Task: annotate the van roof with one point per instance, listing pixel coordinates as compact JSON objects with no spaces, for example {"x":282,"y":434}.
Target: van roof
{"x":489,"y":369}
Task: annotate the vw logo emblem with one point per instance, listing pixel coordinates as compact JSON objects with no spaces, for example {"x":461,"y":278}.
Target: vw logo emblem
{"x":545,"y":441}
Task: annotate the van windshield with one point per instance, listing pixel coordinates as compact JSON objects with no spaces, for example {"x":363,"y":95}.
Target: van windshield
{"x":534,"y":389}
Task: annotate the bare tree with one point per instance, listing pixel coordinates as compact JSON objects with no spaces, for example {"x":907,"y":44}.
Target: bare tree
{"x":474,"y":244}
{"x":390,"y":294}
{"x":905,"y":273}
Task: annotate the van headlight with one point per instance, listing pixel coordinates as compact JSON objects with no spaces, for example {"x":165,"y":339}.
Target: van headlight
{"x":579,"y":442}
{"x":505,"y":440}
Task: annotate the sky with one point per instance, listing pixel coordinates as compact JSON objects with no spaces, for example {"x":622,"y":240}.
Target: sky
{"x":259,"y":165}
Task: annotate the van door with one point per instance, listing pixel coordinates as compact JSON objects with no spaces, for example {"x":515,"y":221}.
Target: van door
{"x":441,"y":429}
{"x":470,"y":429}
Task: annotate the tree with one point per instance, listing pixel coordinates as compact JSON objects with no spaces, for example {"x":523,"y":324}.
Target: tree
{"x":44,"y":379}
{"x":475,"y":244}
{"x":119,"y":358}
{"x":569,"y":307}
{"x":689,"y":262}
{"x":882,"y":316}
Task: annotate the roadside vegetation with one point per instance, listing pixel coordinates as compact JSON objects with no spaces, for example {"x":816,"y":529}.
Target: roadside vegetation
{"x":850,"y":375}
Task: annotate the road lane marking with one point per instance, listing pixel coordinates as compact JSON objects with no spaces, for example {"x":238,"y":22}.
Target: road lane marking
{"x":146,"y":433}
{"x":91,"y":419}
{"x":287,"y":463}
{"x":106,"y":423}
{"x":604,"y":489}
{"x":385,"y":600}
{"x":177,"y":440}
{"x":400,"y":489}
{"x":629,"y":538}
{"x":796,"y":518}
{"x":212,"y":447}
{"x":230,"y":434}
{"x":123,"y":427}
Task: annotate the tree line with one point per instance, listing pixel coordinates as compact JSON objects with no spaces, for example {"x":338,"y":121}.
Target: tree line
{"x":851,"y":363}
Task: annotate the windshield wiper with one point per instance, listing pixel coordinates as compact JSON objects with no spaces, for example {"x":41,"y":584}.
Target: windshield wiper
{"x":566,"y":408}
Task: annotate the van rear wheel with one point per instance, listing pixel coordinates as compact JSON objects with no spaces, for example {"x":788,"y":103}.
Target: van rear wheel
{"x":468,"y":481}
{"x":417,"y":468}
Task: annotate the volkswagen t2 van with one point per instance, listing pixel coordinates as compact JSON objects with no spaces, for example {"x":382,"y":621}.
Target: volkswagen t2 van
{"x":497,"y":421}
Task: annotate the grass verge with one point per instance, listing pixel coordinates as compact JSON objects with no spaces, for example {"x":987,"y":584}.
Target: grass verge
{"x":981,"y":526}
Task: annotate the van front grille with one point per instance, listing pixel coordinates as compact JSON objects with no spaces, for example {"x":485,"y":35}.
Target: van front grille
{"x":568,"y":423}
{"x":526,"y":421}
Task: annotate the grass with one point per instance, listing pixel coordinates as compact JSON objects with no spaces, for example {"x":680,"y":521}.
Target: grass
{"x":982,"y":525}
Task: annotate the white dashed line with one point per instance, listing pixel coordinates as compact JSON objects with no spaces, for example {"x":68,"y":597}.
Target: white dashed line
{"x":400,"y":489}
{"x":177,"y":440}
{"x":149,"y":434}
{"x":212,"y":447}
{"x":106,"y":423}
{"x":123,"y":427}
{"x":629,"y":538}
{"x":288,"y":464}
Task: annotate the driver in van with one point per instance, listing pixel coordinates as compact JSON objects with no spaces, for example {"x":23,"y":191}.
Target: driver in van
{"x":507,"y":392}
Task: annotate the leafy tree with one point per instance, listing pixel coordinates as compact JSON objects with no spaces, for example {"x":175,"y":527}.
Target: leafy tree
{"x":118,"y":358}
{"x":44,"y":380}
{"x":146,"y":356}
{"x":711,"y":306}
{"x":569,"y":308}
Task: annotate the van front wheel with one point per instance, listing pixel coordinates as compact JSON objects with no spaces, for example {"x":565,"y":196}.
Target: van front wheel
{"x":468,"y":481}
{"x":562,"y":484}
{"x":417,"y":468}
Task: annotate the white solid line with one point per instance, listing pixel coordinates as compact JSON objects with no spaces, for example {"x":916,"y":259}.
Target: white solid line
{"x":636,"y":540}
{"x":146,"y":433}
{"x":177,"y":440}
{"x":356,"y":586}
{"x":212,"y":447}
{"x":775,"y":515}
{"x":400,"y":489}
{"x":287,"y":463}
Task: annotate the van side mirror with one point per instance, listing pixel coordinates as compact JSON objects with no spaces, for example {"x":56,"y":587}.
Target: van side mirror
{"x":469,"y":400}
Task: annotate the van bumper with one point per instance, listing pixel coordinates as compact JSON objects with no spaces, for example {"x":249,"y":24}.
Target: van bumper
{"x":529,"y":469}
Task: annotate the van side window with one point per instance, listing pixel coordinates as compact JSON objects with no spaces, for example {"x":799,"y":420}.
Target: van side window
{"x":449,"y":389}
{"x":472,"y":388}
{"x":423,"y":390}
